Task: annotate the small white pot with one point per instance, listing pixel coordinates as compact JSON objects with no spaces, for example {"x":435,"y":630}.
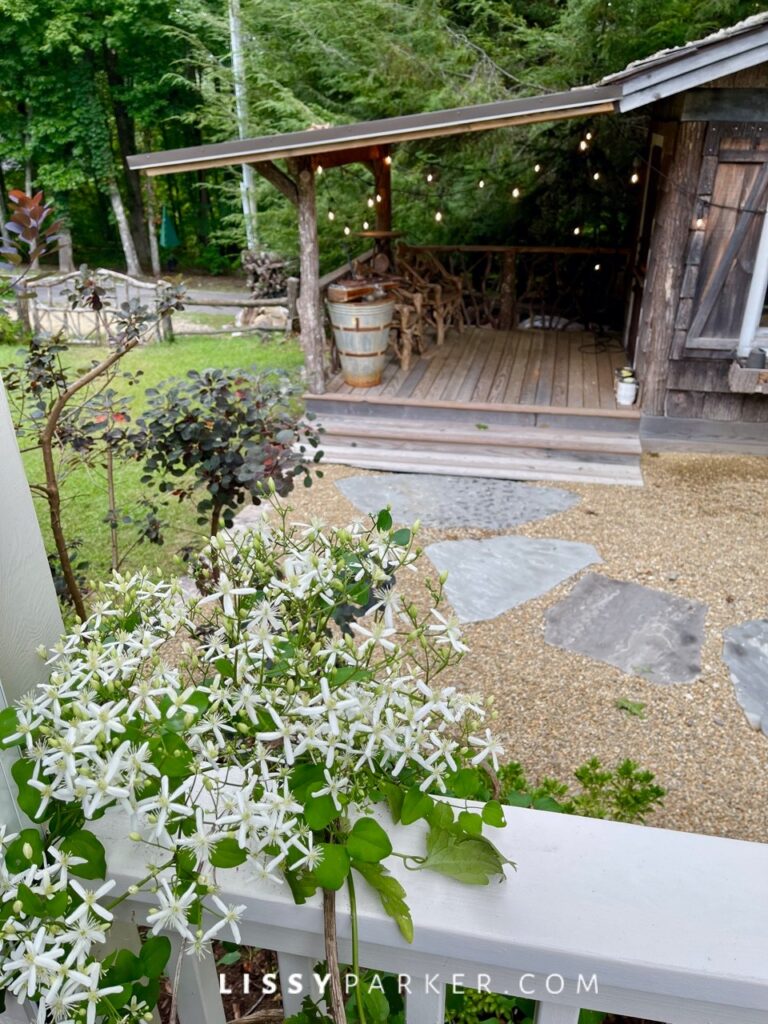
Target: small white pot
{"x":626,"y":392}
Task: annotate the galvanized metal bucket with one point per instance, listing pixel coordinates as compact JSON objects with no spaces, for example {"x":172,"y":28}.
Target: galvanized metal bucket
{"x":361,"y":330}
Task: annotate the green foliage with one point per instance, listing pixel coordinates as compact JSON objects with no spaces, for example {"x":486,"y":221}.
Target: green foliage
{"x":625,"y":793}
{"x":229,"y":433}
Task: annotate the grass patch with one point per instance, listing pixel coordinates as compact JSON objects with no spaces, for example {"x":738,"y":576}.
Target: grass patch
{"x":84,"y":490}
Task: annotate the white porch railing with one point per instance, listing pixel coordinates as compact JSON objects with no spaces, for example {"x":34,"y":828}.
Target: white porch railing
{"x":670,"y":926}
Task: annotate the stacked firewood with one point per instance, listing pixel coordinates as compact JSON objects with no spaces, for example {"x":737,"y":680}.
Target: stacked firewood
{"x":267,"y":274}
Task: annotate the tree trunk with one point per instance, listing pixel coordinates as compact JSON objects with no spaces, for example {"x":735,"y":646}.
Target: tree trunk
{"x":309,"y":305}
{"x":4,"y":218}
{"x":124,"y":230}
{"x":247,"y":183}
{"x":126,"y":141}
{"x":66,"y":254}
{"x":154,"y":248}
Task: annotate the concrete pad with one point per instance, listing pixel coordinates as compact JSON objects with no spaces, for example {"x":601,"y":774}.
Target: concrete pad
{"x":488,"y":577}
{"x":642,"y":631}
{"x":745,"y":652}
{"x":452,"y":501}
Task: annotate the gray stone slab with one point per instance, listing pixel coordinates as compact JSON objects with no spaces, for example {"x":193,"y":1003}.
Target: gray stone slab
{"x":642,"y":631}
{"x":488,"y":577}
{"x":453,"y":501}
{"x":745,"y":652}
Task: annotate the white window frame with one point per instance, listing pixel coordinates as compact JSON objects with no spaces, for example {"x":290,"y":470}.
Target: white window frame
{"x":753,"y":308}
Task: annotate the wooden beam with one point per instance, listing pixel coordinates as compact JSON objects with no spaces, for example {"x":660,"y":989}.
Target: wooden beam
{"x":665,"y":270}
{"x":269,"y":170}
{"x":725,"y":105}
{"x":349,"y":156}
{"x":312,"y":334}
{"x":382,"y":176}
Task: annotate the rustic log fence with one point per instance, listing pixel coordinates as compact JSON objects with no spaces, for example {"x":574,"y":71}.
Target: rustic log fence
{"x":510,"y":286}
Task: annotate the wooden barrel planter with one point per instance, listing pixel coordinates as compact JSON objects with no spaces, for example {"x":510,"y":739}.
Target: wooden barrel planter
{"x":361,"y":330}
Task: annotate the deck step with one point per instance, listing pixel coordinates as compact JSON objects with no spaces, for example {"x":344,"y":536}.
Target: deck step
{"x":510,"y":464}
{"x":376,"y":431}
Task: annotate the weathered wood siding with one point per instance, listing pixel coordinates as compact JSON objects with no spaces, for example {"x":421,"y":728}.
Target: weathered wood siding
{"x":707,"y":227}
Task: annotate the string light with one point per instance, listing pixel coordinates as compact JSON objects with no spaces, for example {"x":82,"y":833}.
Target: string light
{"x":346,"y":230}
{"x":596,"y":176}
{"x":634,"y":177}
{"x":378,"y":197}
{"x":699,"y":222}
{"x":515,"y":193}
{"x":331,"y":215}
{"x":430,"y":177}
{"x":537,"y":168}
{"x":597,"y":266}
{"x":388,"y":160}
{"x":438,"y":216}
{"x":319,"y":169}
{"x":577,"y":231}
{"x":481,"y":184}
{"x":366,"y":225}
{"x":588,"y":136}
{"x":371,"y":203}
{"x":583,"y":145}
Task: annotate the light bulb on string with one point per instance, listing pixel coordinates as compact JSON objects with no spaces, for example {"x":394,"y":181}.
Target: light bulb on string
{"x":366,"y":225}
{"x":378,"y":197}
{"x":699,"y":222}
{"x":388,"y":160}
{"x":319,"y":169}
{"x":588,"y":136}
{"x":430,"y":176}
{"x":537,"y":168}
{"x":346,"y":229}
{"x":596,"y":176}
{"x":371,"y":202}
{"x":583,"y":145}
{"x":438,"y":216}
{"x":515,"y":193}
{"x":577,"y":231}
{"x":634,"y":177}
{"x":331,"y":215}
{"x":481,"y":184}
{"x":597,"y":266}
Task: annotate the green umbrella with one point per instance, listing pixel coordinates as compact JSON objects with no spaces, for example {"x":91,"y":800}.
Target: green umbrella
{"x":168,"y":237}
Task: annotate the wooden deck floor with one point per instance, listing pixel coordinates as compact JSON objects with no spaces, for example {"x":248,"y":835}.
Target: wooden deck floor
{"x":531,"y":368}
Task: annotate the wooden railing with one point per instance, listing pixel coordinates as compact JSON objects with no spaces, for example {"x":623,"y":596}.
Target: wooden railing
{"x":627,"y":919}
{"x":508,"y":286}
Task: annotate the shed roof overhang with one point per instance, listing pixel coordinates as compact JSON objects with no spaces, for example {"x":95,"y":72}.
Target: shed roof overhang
{"x":362,"y":136}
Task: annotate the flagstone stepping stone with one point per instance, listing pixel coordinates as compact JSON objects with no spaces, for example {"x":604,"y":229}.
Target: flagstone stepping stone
{"x":488,"y":577}
{"x":450,"y":501}
{"x":745,"y":652}
{"x":642,"y":631}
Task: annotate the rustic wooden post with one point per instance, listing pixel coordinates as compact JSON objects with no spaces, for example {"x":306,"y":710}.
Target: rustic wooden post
{"x":309,"y":303}
{"x":508,"y":292}
{"x":29,"y":611}
{"x":382,"y":176}
{"x":666,"y":265}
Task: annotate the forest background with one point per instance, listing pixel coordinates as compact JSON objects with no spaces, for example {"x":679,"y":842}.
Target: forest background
{"x":85,"y":83}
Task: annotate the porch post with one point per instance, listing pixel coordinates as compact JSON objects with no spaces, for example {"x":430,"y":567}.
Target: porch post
{"x":29,"y":610}
{"x":382,"y":176}
{"x":309,"y":302}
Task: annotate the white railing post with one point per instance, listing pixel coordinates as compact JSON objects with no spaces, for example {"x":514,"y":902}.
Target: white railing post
{"x":196,"y":984}
{"x":296,"y":981}
{"x":29,"y":611}
{"x":424,"y":1005}
{"x":556,"y":1013}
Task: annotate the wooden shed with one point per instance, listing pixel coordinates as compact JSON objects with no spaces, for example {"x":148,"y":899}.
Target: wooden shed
{"x":694,"y":299}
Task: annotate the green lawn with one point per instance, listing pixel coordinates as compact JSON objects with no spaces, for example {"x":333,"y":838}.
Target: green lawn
{"x":84,"y":491}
